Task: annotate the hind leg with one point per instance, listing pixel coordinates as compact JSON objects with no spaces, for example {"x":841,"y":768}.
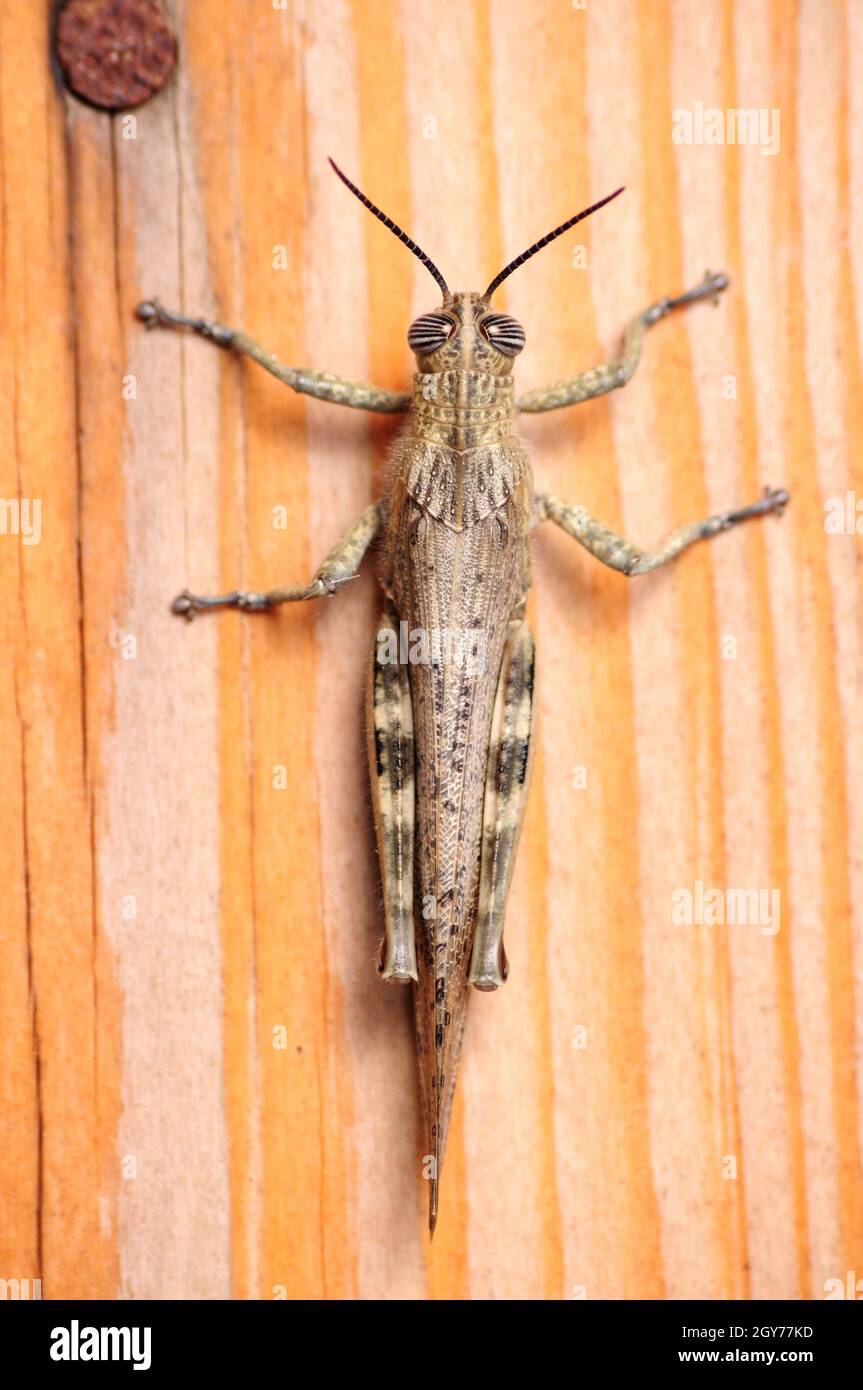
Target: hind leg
{"x":391,"y":763}
{"x":507,"y":776}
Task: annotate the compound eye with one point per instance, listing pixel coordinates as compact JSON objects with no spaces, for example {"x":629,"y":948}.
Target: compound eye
{"x":505,"y":334}
{"x":429,"y":332}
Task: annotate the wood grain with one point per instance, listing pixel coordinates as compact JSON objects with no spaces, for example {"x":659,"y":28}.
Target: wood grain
{"x":171,"y":914}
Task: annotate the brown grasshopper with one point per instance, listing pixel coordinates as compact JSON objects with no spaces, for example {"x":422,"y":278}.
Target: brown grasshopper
{"x":450,"y":722}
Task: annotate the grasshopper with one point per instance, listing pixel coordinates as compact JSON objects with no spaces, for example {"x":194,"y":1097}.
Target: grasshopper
{"x":451,"y":731}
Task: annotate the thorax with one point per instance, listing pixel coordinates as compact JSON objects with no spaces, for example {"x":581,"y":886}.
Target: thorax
{"x":461,"y":408}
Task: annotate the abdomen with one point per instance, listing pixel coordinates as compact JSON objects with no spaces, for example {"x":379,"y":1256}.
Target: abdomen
{"x":454,"y":592}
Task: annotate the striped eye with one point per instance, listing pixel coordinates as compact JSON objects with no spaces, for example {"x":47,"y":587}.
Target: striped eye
{"x":504,"y":334}
{"x":429,"y":332}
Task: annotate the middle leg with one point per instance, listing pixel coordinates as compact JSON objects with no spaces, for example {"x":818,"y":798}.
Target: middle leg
{"x":341,"y":564}
{"x":620,"y":554}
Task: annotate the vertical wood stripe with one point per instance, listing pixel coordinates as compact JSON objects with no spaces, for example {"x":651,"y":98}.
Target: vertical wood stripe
{"x":205,"y":1091}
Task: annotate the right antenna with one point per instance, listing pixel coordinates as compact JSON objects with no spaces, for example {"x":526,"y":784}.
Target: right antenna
{"x":538,"y":245}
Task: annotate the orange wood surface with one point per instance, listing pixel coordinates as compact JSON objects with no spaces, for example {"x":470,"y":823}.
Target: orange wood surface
{"x":169,"y":913}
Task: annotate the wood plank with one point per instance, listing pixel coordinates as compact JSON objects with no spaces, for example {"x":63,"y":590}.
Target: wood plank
{"x":204,"y":1093}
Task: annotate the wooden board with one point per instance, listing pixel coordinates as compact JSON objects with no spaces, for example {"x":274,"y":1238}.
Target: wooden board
{"x":205,"y":1092}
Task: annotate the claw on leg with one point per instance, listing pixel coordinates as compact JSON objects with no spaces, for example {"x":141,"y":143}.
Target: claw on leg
{"x":775,"y":499}
{"x":710,"y":288}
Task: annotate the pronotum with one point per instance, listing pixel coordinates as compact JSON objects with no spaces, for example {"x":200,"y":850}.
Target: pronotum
{"x":450,"y":705}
